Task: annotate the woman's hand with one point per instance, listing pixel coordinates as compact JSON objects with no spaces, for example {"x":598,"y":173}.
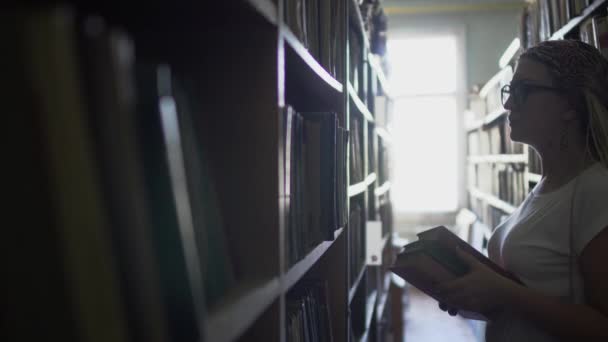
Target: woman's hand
{"x":481,"y":290}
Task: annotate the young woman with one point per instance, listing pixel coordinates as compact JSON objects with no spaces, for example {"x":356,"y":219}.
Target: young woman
{"x":556,"y":242}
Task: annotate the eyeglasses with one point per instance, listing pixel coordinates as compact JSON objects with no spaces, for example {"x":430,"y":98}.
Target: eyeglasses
{"x":520,"y":92}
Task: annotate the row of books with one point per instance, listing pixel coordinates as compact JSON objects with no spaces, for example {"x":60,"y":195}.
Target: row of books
{"x":504,"y":181}
{"x":356,"y":242}
{"x":542,"y":18}
{"x":534,"y":162}
{"x":486,"y":213}
{"x":308,"y":312}
{"x":385,"y":211}
{"x":317,"y":25}
{"x":358,"y":69}
{"x":126,"y":203}
{"x":315,"y":179}
{"x":357,"y":171}
{"x":384,"y":162}
{"x":493,"y":141}
{"x":594,"y":31}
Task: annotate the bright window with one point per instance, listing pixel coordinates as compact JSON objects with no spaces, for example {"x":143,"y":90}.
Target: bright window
{"x":424,"y":77}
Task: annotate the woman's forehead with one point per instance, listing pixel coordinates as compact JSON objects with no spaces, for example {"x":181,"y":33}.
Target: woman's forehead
{"x":530,"y":70}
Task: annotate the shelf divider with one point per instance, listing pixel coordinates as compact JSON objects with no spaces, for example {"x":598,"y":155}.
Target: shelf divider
{"x":384,"y":188}
{"x":499,"y":158}
{"x":297,"y":271}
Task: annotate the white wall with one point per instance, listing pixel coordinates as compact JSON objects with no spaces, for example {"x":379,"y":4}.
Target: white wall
{"x":488,"y":33}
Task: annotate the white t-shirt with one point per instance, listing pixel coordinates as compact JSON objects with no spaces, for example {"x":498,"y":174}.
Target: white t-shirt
{"x":534,"y":244}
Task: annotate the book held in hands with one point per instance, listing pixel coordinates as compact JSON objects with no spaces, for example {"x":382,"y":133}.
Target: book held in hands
{"x":433,"y":259}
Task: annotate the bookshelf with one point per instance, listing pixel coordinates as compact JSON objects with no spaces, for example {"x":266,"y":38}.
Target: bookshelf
{"x":500,"y":172}
{"x":178,"y":143}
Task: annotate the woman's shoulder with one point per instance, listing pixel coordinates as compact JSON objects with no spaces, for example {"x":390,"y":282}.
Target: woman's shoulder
{"x":594,"y":182}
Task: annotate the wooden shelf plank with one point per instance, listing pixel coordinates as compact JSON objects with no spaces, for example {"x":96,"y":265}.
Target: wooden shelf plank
{"x":534,"y":177}
{"x":576,"y":21}
{"x":493,"y":201}
{"x":384,"y":135}
{"x":361,"y":107}
{"x":370,"y":308}
{"x":266,"y":8}
{"x":386,"y":283}
{"x":240,"y":309}
{"x":357,"y":20}
{"x":357,"y":189}
{"x":370,"y":179}
{"x":375,"y":64}
{"x":293,"y":42}
{"x":383,"y":189}
{"x":499,"y":158}
{"x":297,"y":271}
{"x":355,"y":285}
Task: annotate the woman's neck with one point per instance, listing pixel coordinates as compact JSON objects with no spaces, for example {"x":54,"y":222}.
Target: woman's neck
{"x":560,"y":165}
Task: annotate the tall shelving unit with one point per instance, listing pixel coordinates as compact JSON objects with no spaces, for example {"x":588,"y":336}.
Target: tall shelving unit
{"x":242,"y":65}
{"x":501,"y":172}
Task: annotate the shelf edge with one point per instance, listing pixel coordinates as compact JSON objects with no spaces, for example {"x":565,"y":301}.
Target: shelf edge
{"x":355,"y":286}
{"x":313,"y":64}
{"x":361,"y":107}
{"x":299,"y":269}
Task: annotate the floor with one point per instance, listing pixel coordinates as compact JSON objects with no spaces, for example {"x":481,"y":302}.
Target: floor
{"x":425,"y":322}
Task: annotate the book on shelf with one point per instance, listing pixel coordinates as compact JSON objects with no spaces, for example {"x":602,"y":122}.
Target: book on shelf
{"x":356,"y":241}
{"x":308,"y":312}
{"x":432,"y":260}
{"x":317,"y":26}
{"x":75,"y":264}
{"x":107,"y":61}
{"x":168,"y":200}
{"x":356,"y":152}
{"x":315,"y":173}
{"x":212,"y":242}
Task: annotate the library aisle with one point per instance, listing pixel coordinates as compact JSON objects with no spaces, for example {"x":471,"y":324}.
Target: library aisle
{"x":425,"y":322}
{"x":218,"y":171}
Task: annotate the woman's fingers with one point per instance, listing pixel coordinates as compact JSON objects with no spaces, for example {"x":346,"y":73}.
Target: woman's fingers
{"x":450,"y":310}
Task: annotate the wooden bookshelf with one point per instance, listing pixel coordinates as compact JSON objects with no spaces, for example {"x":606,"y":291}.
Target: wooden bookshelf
{"x":384,"y":135}
{"x":213,"y":256}
{"x":499,"y":158}
{"x":355,"y":286}
{"x":493,"y":201}
{"x":383,"y":189}
{"x":297,"y":271}
{"x":359,"y":105}
{"x":574,"y":23}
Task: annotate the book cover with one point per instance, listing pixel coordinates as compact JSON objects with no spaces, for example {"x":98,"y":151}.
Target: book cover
{"x":432,"y":259}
